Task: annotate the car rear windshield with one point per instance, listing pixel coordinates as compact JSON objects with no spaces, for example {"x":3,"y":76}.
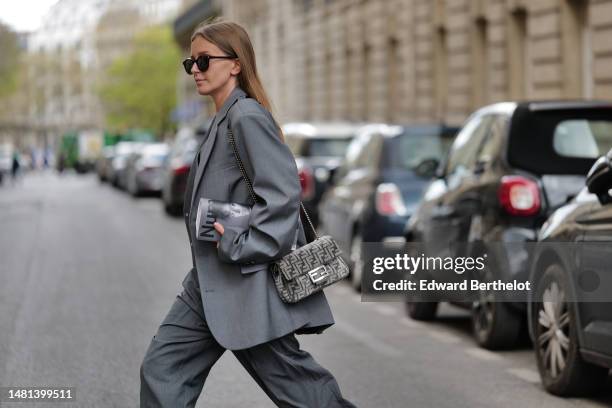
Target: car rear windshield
{"x":157,"y":158}
{"x":563,"y":141}
{"x":325,"y":147}
{"x":410,"y":150}
{"x":583,"y":138}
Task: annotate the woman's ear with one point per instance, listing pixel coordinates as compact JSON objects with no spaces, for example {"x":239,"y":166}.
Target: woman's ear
{"x":237,"y":68}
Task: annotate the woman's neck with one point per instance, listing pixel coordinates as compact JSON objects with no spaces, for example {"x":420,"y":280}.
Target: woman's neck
{"x":222,"y":94}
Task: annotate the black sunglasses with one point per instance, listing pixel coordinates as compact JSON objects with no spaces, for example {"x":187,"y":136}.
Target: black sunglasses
{"x":203,"y":61}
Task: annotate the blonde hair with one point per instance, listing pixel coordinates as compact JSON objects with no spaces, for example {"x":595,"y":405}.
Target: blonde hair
{"x":233,"y":40}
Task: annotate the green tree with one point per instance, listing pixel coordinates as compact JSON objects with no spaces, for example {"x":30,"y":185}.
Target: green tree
{"x":9,"y":61}
{"x":139,"y":89}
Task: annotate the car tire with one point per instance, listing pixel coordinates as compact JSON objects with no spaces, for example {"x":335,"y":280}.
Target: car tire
{"x":356,"y":261}
{"x":422,"y":311}
{"x":133,"y":189}
{"x":562,"y":369}
{"x":172,"y":209}
{"x":495,"y":325}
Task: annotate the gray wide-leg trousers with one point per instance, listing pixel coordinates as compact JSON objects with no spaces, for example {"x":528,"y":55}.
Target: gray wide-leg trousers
{"x":183,"y":351}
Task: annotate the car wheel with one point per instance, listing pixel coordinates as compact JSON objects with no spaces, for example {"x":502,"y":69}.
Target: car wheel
{"x":172,"y":209}
{"x":133,"y":189}
{"x":494,"y":324}
{"x":555,"y":327}
{"x":356,"y":261}
{"x":423,"y":311}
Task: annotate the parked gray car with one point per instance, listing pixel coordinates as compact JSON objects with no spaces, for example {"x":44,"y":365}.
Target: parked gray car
{"x":144,"y":169}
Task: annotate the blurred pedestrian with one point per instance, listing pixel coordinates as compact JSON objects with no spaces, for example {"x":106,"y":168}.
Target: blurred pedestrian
{"x":15,"y":166}
{"x":61,"y":162}
{"x":229,"y":300}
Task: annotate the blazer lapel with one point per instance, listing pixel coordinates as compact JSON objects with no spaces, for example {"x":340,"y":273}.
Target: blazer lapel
{"x":209,"y":142}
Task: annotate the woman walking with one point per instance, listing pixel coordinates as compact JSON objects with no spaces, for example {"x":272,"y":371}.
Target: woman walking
{"x":229,"y":301}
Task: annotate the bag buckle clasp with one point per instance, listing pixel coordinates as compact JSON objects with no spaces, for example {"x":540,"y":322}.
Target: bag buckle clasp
{"x":318,"y":274}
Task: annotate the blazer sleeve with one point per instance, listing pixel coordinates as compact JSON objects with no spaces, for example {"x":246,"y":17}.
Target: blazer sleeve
{"x":273,"y":219}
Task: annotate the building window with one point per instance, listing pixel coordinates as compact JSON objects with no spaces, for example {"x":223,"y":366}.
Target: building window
{"x":441,"y":70}
{"x":480,"y":61}
{"x":393,"y":81}
{"x":329,"y":85}
{"x":517,"y":54}
{"x":349,"y":83}
{"x":307,"y":4}
{"x":366,"y":80}
{"x":576,"y":49}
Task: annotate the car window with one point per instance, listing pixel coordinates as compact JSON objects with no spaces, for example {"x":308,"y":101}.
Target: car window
{"x":355,"y":150}
{"x":412,"y":149}
{"x":354,"y":153}
{"x":325,"y":147}
{"x":368,"y":156}
{"x":494,"y":142}
{"x":294,"y":142}
{"x":582,"y":138}
{"x":466,"y":145}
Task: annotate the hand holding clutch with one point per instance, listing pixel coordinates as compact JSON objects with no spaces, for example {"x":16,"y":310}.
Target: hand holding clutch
{"x":219,"y":229}
{"x":225,"y":213}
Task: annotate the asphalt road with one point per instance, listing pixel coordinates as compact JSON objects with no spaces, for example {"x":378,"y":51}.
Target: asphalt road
{"x":87,"y":273}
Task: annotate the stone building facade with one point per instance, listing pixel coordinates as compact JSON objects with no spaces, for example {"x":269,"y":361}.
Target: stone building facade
{"x":424,"y":60}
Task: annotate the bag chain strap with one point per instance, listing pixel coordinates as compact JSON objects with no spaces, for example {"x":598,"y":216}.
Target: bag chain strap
{"x":248,"y":181}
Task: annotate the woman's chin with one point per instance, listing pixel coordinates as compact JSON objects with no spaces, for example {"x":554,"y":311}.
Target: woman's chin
{"x":203,"y":89}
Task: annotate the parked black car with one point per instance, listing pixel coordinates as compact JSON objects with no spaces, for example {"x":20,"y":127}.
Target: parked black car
{"x":570,"y":315}
{"x":508,"y":169}
{"x":318,"y":147}
{"x":177,"y":166}
{"x":379,"y":184}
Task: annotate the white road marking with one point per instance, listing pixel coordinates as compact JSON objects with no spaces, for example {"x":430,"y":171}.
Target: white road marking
{"x":525,"y":374}
{"x":367,"y":340}
{"x":483,"y":354}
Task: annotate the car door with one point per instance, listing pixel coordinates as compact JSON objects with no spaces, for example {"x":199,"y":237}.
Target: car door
{"x":480,"y":196}
{"x":450,"y":208}
{"x":593,"y":281}
{"x":346,"y":199}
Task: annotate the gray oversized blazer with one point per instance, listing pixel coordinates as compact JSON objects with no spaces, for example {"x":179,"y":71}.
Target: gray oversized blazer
{"x":241,"y":303}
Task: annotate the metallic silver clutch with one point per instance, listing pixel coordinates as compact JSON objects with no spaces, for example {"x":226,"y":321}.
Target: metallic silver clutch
{"x":227,"y":214}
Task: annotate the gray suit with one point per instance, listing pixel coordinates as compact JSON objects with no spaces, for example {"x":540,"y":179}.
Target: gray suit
{"x":229,"y":299}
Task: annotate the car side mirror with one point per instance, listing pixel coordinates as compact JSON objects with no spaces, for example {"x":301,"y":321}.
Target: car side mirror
{"x":427,"y":168}
{"x":481,"y":165}
{"x":599,"y":179}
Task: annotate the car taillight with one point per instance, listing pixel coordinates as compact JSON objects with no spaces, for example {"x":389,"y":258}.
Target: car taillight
{"x":181,"y":170}
{"x":307,"y":183}
{"x":389,"y":200}
{"x":519,"y":196}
